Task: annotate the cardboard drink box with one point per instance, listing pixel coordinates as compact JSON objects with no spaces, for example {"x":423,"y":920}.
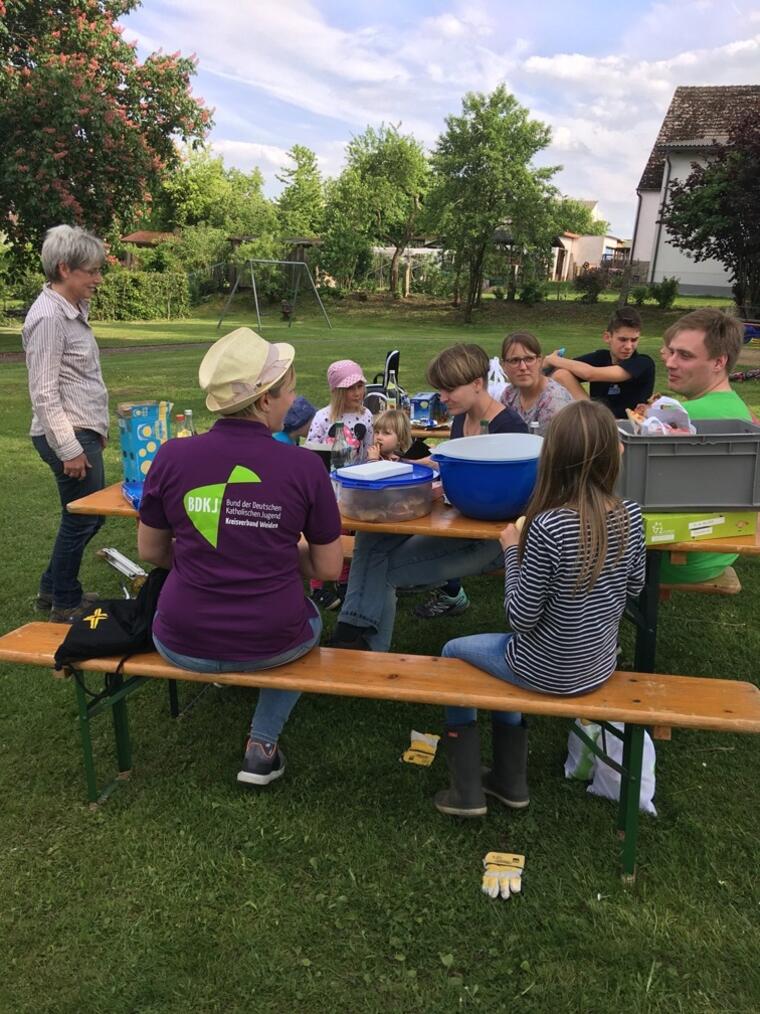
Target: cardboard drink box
{"x":427,"y":409}
{"x":143,"y":427}
{"x":662,"y":528}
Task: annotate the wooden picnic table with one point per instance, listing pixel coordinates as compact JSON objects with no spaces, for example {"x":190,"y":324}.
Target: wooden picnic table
{"x":431,"y":433}
{"x":443,"y":520}
{"x":446,"y":522}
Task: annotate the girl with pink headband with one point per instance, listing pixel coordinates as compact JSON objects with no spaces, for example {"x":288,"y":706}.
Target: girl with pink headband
{"x":347,"y":388}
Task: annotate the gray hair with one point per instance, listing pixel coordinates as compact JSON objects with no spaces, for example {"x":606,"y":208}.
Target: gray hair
{"x":72,"y":246}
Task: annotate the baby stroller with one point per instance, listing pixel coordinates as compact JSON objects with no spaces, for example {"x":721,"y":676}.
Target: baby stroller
{"x":376,"y":398}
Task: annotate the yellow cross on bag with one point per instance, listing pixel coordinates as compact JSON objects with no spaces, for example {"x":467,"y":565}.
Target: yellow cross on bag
{"x":94,"y":618}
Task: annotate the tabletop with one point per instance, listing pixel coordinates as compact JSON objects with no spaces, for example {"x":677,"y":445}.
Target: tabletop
{"x":444,"y":521}
{"x":434,"y":433}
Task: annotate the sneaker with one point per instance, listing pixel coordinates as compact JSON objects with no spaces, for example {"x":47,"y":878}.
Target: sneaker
{"x":69,"y":614}
{"x":325,"y":598}
{"x":441,"y":604}
{"x":346,"y":635}
{"x":44,"y":603}
{"x":262,"y":764}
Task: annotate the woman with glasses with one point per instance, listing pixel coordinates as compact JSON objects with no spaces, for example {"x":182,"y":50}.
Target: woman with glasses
{"x":69,"y":404}
{"x":535,"y":397}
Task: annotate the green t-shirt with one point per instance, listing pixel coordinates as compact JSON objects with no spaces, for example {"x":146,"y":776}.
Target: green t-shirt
{"x":705,"y":566}
{"x":718,"y":405}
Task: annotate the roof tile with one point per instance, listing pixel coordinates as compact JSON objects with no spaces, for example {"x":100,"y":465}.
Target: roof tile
{"x":707,"y":113}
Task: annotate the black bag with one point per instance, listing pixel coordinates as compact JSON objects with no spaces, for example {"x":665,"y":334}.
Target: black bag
{"x":114,"y":626}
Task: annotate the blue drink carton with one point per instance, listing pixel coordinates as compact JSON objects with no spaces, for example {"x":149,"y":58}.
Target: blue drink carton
{"x":143,"y":427}
{"x":426,"y":409}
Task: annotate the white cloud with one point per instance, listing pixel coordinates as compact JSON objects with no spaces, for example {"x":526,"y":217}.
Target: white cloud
{"x":605,"y":110}
{"x":247,"y":154}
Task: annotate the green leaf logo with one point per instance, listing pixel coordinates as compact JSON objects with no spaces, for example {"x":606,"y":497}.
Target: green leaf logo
{"x":203,"y":505}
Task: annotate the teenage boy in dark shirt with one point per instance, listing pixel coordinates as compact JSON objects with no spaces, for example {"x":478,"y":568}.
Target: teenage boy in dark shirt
{"x":618,"y":375}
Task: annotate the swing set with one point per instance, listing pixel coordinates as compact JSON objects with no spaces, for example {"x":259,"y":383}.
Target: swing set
{"x":287,"y":306}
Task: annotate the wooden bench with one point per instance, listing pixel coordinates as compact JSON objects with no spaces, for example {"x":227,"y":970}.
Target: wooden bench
{"x":727,"y":583}
{"x":635,"y":699}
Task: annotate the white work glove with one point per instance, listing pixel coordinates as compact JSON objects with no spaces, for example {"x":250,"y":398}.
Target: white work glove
{"x":503,"y":874}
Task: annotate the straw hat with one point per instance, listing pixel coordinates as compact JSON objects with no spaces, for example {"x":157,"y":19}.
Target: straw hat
{"x":240,"y":367}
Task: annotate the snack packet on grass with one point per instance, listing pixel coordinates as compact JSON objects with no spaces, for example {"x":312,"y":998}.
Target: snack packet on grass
{"x":421,"y":749}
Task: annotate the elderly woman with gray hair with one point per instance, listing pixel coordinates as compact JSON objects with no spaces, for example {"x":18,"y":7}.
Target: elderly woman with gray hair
{"x":69,"y":404}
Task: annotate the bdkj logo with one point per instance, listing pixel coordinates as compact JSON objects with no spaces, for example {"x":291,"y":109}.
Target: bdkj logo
{"x":204,"y":503}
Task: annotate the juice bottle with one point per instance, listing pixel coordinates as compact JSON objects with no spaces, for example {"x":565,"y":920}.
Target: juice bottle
{"x":182,"y":429}
{"x":391,"y":391}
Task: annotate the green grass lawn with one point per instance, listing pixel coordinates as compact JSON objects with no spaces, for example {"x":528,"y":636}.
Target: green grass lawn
{"x":341,"y":888}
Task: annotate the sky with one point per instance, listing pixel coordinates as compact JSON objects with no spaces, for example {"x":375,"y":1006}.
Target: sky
{"x":317,"y":72}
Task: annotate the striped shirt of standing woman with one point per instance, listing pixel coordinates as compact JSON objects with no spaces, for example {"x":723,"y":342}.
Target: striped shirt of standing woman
{"x":69,"y":404}
{"x":568,"y":573}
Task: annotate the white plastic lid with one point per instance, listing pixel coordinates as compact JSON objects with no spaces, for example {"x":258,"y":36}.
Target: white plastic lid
{"x":372,"y":471}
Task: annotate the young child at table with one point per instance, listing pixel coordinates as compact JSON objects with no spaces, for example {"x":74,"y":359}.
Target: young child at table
{"x":567,"y":574}
{"x":393,"y":439}
{"x":460,"y":374}
{"x":297,"y":421}
{"x":347,"y":388}
{"x":618,"y":375}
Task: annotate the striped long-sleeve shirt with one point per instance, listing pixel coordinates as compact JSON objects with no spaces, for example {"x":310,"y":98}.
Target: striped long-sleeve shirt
{"x":565,"y":641}
{"x":65,"y":382}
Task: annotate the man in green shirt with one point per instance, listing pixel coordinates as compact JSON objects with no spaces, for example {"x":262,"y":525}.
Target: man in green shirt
{"x":700,"y":352}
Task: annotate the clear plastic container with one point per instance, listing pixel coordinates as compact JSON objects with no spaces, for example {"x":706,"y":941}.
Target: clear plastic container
{"x":398,"y":498}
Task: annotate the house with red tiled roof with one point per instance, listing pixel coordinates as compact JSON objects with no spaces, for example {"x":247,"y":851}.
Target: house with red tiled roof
{"x":698,"y":118}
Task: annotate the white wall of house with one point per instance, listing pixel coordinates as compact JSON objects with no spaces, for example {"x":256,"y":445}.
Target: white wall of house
{"x":708,"y":277}
{"x":588,"y":248}
{"x":646,"y":226}
{"x":664,"y":259}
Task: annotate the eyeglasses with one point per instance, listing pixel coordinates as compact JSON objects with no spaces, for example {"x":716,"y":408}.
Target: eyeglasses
{"x":516,"y":360}
{"x":92,"y":272}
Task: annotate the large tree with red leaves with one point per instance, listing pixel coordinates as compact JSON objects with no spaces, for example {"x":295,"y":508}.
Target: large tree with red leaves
{"x":88,"y":131}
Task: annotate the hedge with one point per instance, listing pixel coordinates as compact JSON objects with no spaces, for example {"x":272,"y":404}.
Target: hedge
{"x":141,"y":295}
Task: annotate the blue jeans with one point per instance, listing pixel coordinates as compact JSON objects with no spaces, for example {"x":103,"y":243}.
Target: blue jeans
{"x":383,"y":563}
{"x":274,"y":706}
{"x":486,"y":651}
{"x":60,"y":580}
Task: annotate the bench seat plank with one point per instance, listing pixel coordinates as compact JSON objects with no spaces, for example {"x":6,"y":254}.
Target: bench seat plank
{"x":638,"y":698}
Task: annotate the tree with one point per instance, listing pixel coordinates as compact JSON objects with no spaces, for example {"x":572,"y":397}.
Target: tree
{"x":573,"y":216}
{"x":715,"y":212}
{"x":88,"y":131}
{"x":302,"y":202}
{"x":483,"y":177}
{"x":201,"y":191}
{"x":346,"y":250}
{"x":393,"y":171}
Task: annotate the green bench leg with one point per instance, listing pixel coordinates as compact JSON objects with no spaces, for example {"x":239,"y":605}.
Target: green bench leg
{"x":84,"y":732}
{"x":113,"y":697}
{"x":628,"y":810}
{"x":121,"y":727}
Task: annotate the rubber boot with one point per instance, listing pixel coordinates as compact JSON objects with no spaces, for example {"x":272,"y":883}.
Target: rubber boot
{"x":464,"y":797}
{"x":507,"y":781}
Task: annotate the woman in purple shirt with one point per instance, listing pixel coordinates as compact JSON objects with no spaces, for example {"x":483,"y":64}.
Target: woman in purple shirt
{"x":240,"y":520}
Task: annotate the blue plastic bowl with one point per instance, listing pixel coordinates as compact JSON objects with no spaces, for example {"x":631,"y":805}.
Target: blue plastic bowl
{"x":489,"y":477}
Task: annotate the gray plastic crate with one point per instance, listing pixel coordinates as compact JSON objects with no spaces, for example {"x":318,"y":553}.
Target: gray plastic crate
{"x":717,"y":468}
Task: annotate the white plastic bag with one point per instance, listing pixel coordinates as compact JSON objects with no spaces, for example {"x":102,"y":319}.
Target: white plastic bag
{"x":606,"y":781}
{"x":497,"y":379}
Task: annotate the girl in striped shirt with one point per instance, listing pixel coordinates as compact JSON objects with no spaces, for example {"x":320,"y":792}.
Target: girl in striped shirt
{"x":567,"y":575}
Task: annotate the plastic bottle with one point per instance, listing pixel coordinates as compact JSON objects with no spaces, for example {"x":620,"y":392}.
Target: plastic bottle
{"x":182,"y":427}
{"x":391,"y":391}
{"x":189,"y":421}
{"x":341,"y":452}
{"x":534,"y":428}
{"x":484,"y":430}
